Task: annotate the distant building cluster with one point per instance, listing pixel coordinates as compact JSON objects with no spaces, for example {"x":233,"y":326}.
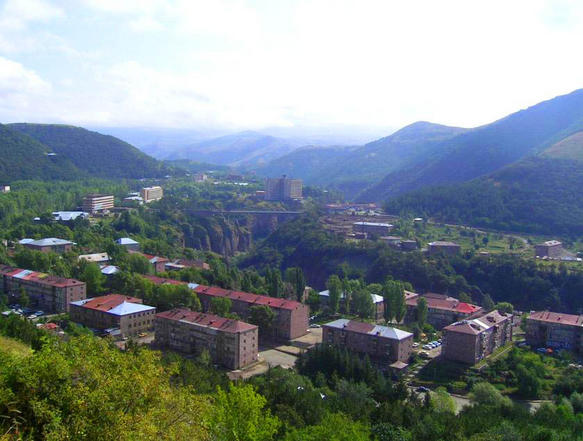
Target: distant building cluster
{"x":441,"y":309}
{"x":283,"y":189}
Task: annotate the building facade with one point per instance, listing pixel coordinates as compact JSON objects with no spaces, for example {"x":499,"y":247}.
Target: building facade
{"x":378,"y":342}
{"x":469,"y":341}
{"x":96,"y":203}
{"x":49,"y":293}
{"x":376,"y":228}
{"x":550,"y":248}
{"x":438,"y":247}
{"x":281,"y":189}
{"x":555,"y":330}
{"x":128,"y":243}
{"x":150,"y":194}
{"x":232,"y":343}
{"x":128,"y":314}
{"x":441,"y":309}
{"x":50,"y":244}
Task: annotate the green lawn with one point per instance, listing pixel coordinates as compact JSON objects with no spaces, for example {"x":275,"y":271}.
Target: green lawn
{"x":14,"y":347}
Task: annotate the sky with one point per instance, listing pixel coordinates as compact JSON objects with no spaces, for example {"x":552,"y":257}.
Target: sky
{"x":284,"y":63}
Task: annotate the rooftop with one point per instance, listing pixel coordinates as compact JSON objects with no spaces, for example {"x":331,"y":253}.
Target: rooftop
{"x":48,"y":242}
{"x":441,"y":301}
{"x":443,"y":243}
{"x":96,"y":257}
{"x":206,"y":320}
{"x":551,"y":243}
{"x":369,"y":328}
{"x":126,"y":241}
{"x":375,"y":297}
{"x":373,"y":224}
{"x":557,"y":317}
{"x":116,"y":304}
{"x":69,"y":215}
{"x":42,"y":278}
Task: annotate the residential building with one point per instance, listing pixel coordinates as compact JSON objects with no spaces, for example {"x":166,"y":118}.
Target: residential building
{"x":440,"y":246}
{"x":376,"y":228}
{"x":158,"y":263}
{"x":409,"y":245}
{"x":555,"y":330}
{"x":281,"y":189}
{"x":150,"y":194}
{"x":441,"y":309}
{"x":128,"y":243}
{"x":378,"y":302}
{"x":469,"y":341}
{"x":378,"y":342}
{"x":95,"y":258}
{"x":67,"y":216}
{"x":392,"y":241}
{"x":49,"y":244}
{"x":4,"y":188}
{"x":48,"y":293}
{"x":179,"y":264}
{"x":125,"y":313}
{"x":291,"y":317}
{"x":96,"y":203}
{"x":550,"y":248}
{"x":200,"y":177}
{"x":232,"y":343}
{"x":109,"y":270}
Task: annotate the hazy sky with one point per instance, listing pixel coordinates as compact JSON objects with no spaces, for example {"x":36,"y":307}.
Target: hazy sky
{"x":252,"y":64}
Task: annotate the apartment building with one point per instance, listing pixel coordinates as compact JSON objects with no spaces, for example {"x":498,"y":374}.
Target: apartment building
{"x":441,"y":309}
{"x":281,"y":189}
{"x":150,"y":194}
{"x":48,"y":293}
{"x":49,"y":244}
{"x":232,"y":343}
{"x":378,"y":342}
{"x":443,"y":247}
{"x":555,"y":330}
{"x":291,"y":317}
{"x":96,"y":203}
{"x":376,"y":228}
{"x":469,"y":341}
{"x":125,"y":313}
{"x":550,"y":248}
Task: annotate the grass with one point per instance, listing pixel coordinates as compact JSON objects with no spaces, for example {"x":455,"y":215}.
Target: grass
{"x":14,"y":347}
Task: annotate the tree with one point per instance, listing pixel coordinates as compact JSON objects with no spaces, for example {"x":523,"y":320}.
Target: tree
{"x":363,"y":304}
{"x":442,"y":401}
{"x":334,"y":286}
{"x":262,"y":316}
{"x":221,"y":306}
{"x":487,"y":302}
{"x":400,"y":307}
{"x":334,"y":427}
{"x":506,"y":307}
{"x":421,"y":311}
{"x":93,"y":278}
{"x":239,"y":415}
{"x":487,"y":395}
{"x":295,"y":277}
{"x":274,"y":282}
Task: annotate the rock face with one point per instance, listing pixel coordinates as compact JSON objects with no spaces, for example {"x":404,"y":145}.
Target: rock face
{"x":219,"y":235}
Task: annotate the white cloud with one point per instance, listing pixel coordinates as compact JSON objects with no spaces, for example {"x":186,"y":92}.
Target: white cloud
{"x":145,"y":24}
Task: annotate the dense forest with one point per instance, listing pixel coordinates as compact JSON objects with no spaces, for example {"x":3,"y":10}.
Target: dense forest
{"x":536,"y":195}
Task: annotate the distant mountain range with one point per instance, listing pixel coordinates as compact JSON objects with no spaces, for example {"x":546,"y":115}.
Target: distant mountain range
{"x":45,"y":151}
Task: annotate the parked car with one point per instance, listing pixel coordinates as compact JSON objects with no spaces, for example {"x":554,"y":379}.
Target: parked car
{"x":39,"y":313}
{"x":415,"y":345}
{"x":422,"y":389}
{"x":315,"y":325}
{"x":541,"y":350}
{"x":423,"y":354}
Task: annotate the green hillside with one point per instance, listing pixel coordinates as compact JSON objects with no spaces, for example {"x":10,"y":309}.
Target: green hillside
{"x":536,"y":195}
{"x":569,"y":148}
{"x":486,"y":149}
{"x":93,"y":153}
{"x":352,"y":169}
{"x":22,"y":157}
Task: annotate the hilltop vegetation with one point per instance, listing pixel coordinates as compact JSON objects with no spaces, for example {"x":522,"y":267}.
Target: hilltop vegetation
{"x":93,"y":153}
{"x":536,"y":195}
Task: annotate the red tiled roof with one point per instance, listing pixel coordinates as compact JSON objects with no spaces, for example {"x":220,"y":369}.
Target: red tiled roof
{"x":557,"y":317}
{"x":110,"y":301}
{"x":440,"y":301}
{"x":163,"y":281}
{"x":208,"y":320}
{"x":41,"y":278}
{"x":361,"y":327}
{"x":466,"y":308}
{"x":257,"y":299}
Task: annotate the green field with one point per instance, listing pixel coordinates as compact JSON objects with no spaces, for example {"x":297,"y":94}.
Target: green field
{"x":14,"y":346}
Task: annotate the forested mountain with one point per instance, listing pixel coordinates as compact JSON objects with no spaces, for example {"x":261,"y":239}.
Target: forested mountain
{"x":92,"y":153}
{"x":486,"y":149}
{"x":242,"y":149}
{"x":352,"y":169}
{"x":22,"y":157}
{"x":539,"y":194}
